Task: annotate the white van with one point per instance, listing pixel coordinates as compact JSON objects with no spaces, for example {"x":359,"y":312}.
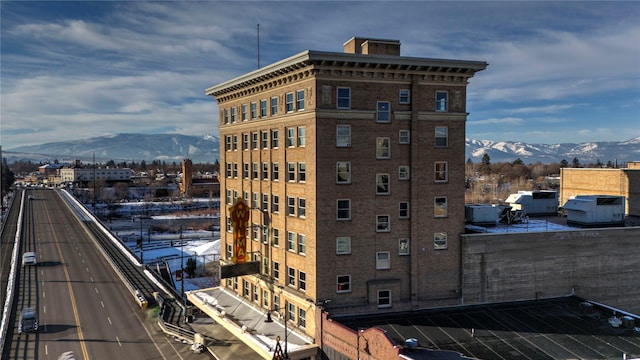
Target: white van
{"x":29,"y":258}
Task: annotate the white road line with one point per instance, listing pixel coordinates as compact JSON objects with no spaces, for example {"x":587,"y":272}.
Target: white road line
{"x":101,"y":303}
{"x":97,"y":292}
{"x":119,"y":344}
{"x":109,"y":319}
{"x":46,"y":350}
{"x":91,"y":278}
{"x":44,"y":309}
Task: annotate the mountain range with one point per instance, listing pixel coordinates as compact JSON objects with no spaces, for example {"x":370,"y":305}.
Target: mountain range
{"x":205,"y":149}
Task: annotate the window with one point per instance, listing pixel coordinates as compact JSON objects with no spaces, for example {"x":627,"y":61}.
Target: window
{"x":276,"y":270}
{"x":229,"y":251}
{"x":291,"y":137}
{"x":403,"y":210}
{"x":382,"y":223}
{"x":404,"y":137}
{"x":254,"y":200}
{"x":245,"y":141}
{"x":343,"y":209}
{"x":300,"y":99}
{"x":291,"y":241}
{"x":343,"y":245}
{"x":276,"y":237}
{"x":243,"y":113}
{"x":291,"y":312}
{"x":302,"y":244}
{"x":245,"y":170}
{"x":291,"y":171}
{"x":274,"y":139}
{"x":263,"y":108}
{"x":302,"y":133}
{"x":265,"y":265}
{"x":228,"y":197}
{"x":302,"y":207}
{"x":291,"y":276}
{"x":233,"y":114}
{"x":302,"y":172}
{"x":228,"y":167}
{"x":403,"y":247}
{"x":343,"y":136}
{"x":442,"y":136}
{"x":343,"y":283}
{"x":226,"y":116}
{"x":383,"y":260}
{"x":383,"y":113}
{"x":256,"y":293}
{"x":382,"y":148}
{"x":291,"y":206}
{"x":234,"y":146}
{"x":254,"y":172}
{"x":441,"y":100}
{"x":275,"y":172}
{"x":265,"y":298}
{"x":229,"y":225}
{"x":289,"y":102}
{"x":265,"y":139}
{"x":265,"y":171}
{"x":384,"y":298}
{"x":265,"y":202}
{"x":405,"y":96}
{"x":403,"y":172}
{"x":440,"y":240}
{"x":343,"y":98}
{"x":227,"y":143}
{"x":302,"y":317}
{"x":235,"y":170}
{"x":275,"y":203}
{"x":343,"y":172}
{"x":440,"y":207}
{"x":441,"y":171}
{"x":245,"y":288}
{"x":254,"y":141}
{"x":254,"y":110}
{"x":382,"y":184}
{"x":276,"y":302}
{"x":274,"y":106}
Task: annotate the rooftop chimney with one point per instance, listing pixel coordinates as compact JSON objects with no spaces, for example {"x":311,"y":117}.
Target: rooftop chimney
{"x":357,"y":45}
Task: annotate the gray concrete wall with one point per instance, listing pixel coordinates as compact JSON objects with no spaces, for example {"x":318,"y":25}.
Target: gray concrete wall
{"x":601,"y":265}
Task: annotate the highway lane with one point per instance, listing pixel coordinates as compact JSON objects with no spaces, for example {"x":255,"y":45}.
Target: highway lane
{"x":83,"y":305}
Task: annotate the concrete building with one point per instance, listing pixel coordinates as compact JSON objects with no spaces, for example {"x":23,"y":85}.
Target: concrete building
{"x":594,"y":181}
{"x":84,"y":176}
{"x":357,"y":160}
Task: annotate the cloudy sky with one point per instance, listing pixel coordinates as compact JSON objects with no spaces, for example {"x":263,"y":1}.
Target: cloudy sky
{"x":558,"y":71}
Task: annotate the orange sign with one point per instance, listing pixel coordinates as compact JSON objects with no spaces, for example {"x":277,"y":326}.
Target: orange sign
{"x":239,"y":221}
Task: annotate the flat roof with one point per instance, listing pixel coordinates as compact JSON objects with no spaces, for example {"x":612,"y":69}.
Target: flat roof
{"x":558,"y":328}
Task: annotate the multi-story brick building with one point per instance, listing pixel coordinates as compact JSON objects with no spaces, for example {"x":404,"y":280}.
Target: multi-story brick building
{"x":353,"y":165}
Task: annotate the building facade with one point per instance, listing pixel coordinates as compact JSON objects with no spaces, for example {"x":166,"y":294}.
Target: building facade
{"x":353,"y":166}
{"x":594,"y":181}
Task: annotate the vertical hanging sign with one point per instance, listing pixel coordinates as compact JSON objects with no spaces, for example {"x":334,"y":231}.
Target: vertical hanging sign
{"x":239,"y":221}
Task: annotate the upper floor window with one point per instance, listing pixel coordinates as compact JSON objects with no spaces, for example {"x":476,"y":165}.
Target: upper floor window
{"x":343,"y":245}
{"x":302,"y":285}
{"x":254,"y":110}
{"x":291,"y":171}
{"x":275,"y":172}
{"x":302,"y":244}
{"x":404,"y":137}
{"x":442,"y":98}
{"x":343,"y":172}
{"x":343,"y":283}
{"x":275,"y":203}
{"x":383,"y":260}
{"x":441,"y":174}
{"x":265,"y":171}
{"x":302,"y":136}
{"x":384,"y":298}
{"x":291,"y":137}
{"x":233,"y":114}
{"x":263,"y":108}
{"x":403,"y":246}
{"x":383,"y":113}
{"x":265,"y":139}
{"x":274,"y":105}
{"x":276,"y":270}
{"x":302,"y":207}
{"x":243,"y":113}
{"x":226,"y":116}
{"x":245,"y":170}
{"x":300,"y":99}
{"x":302,"y":172}
{"x":442,"y":136}
{"x":382,"y":223}
{"x":289,"y":102}
{"x":440,"y":207}
{"x":227,"y":143}
{"x":403,"y":172}
{"x":405,"y":96}
{"x":343,"y":209}
{"x":403,"y":210}
{"x":254,"y":140}
{"x":245,"y":141}
{"x":291,"y":241}
{"x":343,"y":98}
{"x":440,"y":240}
{"x":274,"y":139}
{"x":382,"y":184}
{"x":343,"y":135}
{"x":382,"y":148}
{"x":291,"y":206}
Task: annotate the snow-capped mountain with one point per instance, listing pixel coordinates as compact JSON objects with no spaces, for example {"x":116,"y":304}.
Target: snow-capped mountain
{"x":205,"y":149}
{"x":588,"y":152}
{"x":123,"y":147}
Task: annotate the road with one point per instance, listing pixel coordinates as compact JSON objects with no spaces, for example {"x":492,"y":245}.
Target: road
{"x":83,"y":306}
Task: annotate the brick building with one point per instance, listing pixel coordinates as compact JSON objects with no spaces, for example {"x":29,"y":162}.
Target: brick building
{"x":594,"y":181}
{"x":353,"y":165}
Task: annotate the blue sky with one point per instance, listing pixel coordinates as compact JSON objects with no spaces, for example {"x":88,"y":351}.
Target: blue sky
{"x":558,"y":71}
